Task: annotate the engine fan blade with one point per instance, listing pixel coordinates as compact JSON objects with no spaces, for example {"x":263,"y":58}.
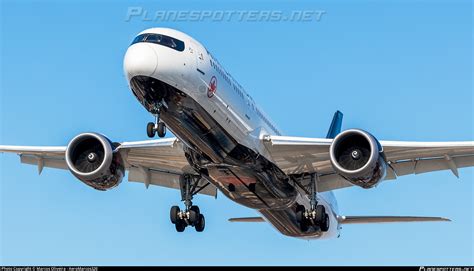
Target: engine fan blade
{"x":84,"y":164}
{"x":351,"y":161}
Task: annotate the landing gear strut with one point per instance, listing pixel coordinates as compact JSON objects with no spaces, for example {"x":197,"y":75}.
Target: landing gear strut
{"x":156,"y":127}
{"x":316,"y":215}
{"x":191,"y":215}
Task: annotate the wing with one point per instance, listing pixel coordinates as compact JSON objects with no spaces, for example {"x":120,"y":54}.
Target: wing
{"x":362,"y":219}
{"x":297,"y":155}
{"x":156,"y":162}
{"x":52,"y":157}
{"x":420,"y":157}
{"x":388,"y":219}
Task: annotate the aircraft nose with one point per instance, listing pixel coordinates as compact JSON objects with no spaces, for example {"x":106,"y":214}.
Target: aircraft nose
{"x":140,"y":59}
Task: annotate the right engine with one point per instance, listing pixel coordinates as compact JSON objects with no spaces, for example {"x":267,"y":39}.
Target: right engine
{"x":358,"y":156}
{"x":91,"y":158}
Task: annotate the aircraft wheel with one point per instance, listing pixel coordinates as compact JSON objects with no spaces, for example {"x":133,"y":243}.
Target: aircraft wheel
{"x":195,"y":208}
{"x":174,"y":214}
{"x":300,"y":213}
{"x":194,"y":214}
{"x":320,"y":213}
{"x":304,"y":225}
{"x":193,"y":217}
{"x":150,"y":130}
{"x":325,"y":224}
{"x":180,"y":226}
{"x":201,"y":224}
{"x":161,"y":129}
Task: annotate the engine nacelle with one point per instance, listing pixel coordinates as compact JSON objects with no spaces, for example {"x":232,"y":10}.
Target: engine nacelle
{"x":91,"y":158}
{"x":358,"y":157}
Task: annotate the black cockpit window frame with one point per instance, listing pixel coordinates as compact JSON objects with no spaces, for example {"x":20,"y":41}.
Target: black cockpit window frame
{"x":160,"y":39}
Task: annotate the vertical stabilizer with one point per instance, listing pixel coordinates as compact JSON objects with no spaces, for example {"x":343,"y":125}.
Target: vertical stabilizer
{"x":336,"y":124}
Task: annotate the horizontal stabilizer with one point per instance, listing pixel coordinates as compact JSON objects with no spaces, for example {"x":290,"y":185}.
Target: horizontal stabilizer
{"x":387,"y":219}
{"x":247,"y":219}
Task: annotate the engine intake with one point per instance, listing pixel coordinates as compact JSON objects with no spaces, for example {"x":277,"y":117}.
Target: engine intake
{"x":357,"y":156}
{"x":91,"y":158}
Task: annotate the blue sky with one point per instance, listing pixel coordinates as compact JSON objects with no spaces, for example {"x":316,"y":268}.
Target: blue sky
{"x":401,"y":70}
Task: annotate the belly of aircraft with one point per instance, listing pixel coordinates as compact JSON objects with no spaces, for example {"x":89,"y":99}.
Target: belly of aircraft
{"x":238,"y":172}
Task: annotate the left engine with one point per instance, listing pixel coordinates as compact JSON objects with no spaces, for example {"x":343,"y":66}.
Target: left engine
{"x":92,"y":158}
{"x":358,"y":156}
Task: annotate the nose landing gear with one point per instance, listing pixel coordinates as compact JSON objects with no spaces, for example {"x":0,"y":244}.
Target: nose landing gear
{"x":156,"y":127}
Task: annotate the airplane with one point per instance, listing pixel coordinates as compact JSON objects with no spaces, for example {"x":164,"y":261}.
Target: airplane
{"x":224,"y":142}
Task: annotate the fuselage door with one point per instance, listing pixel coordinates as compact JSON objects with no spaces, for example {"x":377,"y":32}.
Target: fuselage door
{"x":200,"y":55}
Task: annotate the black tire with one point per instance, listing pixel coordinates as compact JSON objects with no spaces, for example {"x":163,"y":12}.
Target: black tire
{"x":193,"y":217}
{"x":180,"y":226}
{"x":174,"y":214}
{"x":320,"y":213}
{"x":196,"y":210}
{"x":300,"y":213}
{"x":325,"y":224}
{"x":201,"y":224}
{"x":304,"y":225}
{"x":150,"y":129}
{"x":161,"y":129}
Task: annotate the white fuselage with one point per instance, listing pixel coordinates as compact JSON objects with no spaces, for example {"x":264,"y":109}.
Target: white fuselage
{"x":197,"y":73}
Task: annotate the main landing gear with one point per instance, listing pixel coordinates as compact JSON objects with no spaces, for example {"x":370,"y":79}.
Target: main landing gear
{"x":156,"y":127}
{"x":191,"y":215}
{"x":316,"y":216}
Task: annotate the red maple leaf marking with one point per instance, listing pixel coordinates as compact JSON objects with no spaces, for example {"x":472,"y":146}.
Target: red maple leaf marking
{"x":212,"y":87}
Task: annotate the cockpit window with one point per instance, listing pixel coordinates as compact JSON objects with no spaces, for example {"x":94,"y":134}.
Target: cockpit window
{"x":167,"y":41}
